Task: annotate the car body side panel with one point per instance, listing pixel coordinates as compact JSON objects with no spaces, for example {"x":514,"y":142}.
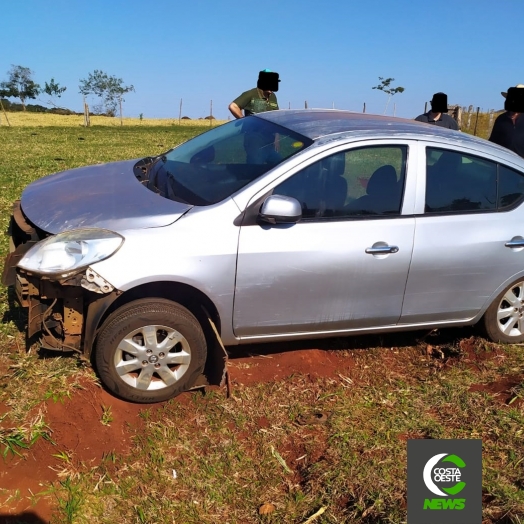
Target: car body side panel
{"x":199,"y":250}
{"x":317,"y":276}
{"x":459,"y":261}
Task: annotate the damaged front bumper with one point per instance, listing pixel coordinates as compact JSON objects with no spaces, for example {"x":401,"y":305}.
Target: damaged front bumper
{"x":64,"y":311}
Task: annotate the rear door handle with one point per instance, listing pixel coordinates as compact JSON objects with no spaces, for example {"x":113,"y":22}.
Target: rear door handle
{"x":381,"y":250}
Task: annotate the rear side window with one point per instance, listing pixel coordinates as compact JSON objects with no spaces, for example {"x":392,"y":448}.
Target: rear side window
{"x":511,"y":187}
{"x":458,"y":182}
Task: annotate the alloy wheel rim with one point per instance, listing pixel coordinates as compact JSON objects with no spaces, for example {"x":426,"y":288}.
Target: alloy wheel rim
{"x":510,"y":312}
{"x":152,"y":357}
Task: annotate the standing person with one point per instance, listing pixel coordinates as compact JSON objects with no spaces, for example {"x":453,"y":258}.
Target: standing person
{"x":438,"y":114}
{"x":518,"y":137}
{"x":508,"y":129}
{"x":259,"y":99}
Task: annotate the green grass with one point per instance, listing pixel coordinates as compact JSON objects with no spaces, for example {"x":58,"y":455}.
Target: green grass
{"x":228,"y":464}
{"x":14,"y":440}
{"x":216,"y":459}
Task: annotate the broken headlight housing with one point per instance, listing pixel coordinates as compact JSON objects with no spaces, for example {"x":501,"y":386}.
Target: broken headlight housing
{"x":71,"y":251}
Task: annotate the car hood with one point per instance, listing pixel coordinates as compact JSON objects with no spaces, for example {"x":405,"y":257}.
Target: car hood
{"x":105,"y":196}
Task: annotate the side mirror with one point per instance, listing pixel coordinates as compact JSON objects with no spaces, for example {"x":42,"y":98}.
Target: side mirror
{"x":279,"y":209}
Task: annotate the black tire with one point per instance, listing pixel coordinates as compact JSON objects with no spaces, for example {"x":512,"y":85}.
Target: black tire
{"x":504,"y":318}
{"x":150,"y":350}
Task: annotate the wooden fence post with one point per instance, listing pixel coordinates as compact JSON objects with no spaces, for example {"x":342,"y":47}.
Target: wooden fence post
{"x":87,"y":121}
{"x":476,"y":122}
{"x":470,"y":109}
{"x":5,"y":114}
{"x":458,"y":118}
{"x":491,"y":118}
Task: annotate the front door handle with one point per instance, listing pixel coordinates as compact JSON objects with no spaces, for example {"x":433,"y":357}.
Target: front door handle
{"x":515,"y":242}
{"x":381,"y":250}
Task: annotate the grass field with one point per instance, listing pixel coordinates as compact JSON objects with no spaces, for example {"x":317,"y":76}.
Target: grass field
{"x":320,"y":444}
{"x":21,"y":119}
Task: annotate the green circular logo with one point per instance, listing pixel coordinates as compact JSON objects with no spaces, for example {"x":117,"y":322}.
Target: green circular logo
{"x":446,"y":473}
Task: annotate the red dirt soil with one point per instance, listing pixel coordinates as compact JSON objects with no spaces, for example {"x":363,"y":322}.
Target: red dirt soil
{"x":77,"y":429}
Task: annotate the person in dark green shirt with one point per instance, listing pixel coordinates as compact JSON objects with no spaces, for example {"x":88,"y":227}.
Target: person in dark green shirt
{"x":259,"y":99}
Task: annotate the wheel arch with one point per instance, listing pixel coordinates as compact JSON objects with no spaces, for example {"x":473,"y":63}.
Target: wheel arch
{"x":199,"y":304}
{"x":508,"y":282}
{"x":495,"y":326}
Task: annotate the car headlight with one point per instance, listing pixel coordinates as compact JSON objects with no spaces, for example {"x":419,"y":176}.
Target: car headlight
{"x":68,"y":252}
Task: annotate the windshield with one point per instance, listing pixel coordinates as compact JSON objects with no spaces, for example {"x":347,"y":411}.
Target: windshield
{"x":214,"y":165}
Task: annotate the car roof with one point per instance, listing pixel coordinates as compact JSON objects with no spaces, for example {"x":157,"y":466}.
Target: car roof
{"x":328,"y":124}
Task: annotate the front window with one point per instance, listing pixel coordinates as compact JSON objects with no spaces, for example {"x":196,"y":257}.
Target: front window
{"x":216,"y":164}
{"x":363,"y":182}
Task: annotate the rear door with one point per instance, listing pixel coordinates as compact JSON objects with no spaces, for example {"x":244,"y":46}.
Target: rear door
{"x":469,"y":212}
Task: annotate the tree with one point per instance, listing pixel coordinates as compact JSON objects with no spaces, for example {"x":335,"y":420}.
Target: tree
{"x":20,"y":85}
{"x":385,"y":86}
{"x":53,"y":89}
{"x":108,"y":88}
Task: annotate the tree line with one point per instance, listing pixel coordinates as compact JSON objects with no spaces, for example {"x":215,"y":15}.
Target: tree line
{"x":108,"y":89}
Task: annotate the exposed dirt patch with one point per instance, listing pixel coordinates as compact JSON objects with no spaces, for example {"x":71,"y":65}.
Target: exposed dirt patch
{"x":504,"y":390}
{"x":92,"y":423}
{"x":78,"y":435}
{"x":265,"y":364}
{"x":3,"y":409}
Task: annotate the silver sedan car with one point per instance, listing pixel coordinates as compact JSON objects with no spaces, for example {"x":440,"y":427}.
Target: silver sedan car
{"x":281,"y":226}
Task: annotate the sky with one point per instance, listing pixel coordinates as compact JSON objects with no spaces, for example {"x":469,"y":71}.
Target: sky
{"x":202,"y":54}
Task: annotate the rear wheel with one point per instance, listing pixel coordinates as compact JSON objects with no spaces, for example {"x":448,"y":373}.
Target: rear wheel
{"x":150,"y":350}
{"x":504,"y":319}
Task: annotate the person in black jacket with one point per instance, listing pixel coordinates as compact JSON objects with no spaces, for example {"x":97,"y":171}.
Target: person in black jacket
{"x":508,"y":129}
{"x":438,"y":115}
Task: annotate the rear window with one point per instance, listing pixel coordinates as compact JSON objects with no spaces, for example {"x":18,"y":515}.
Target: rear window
{"x":459,"y":182}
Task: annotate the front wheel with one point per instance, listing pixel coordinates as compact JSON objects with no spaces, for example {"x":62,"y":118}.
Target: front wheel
{"x":504,"y":319}
{"x":150,"y":350}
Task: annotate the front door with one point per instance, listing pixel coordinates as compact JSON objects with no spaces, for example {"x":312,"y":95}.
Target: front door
{"x":344,"y":265}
